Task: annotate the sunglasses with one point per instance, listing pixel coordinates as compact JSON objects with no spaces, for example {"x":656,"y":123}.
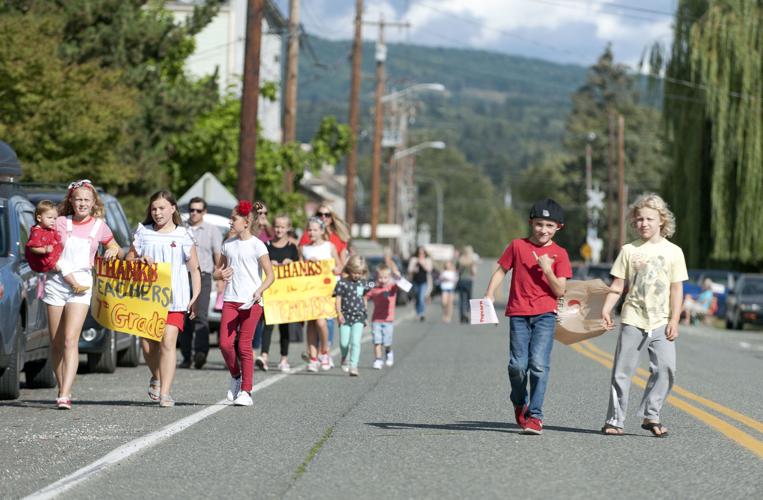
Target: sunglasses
{"x":323,"y":214}
{"x":195,"y":210}
{"x":262,"y":212}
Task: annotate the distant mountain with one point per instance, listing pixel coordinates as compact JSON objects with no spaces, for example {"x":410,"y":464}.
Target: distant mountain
{"x":503,"y":112}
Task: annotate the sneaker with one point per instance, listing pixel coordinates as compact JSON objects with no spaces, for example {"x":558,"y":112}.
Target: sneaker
{"x":233,"y":388}
{"x":261,"y":363}
{"x":533,"y":426}
{"x":199,"y":360}
{"x":325,"y":362}
{"x":243,"y":399}
{"x":305,"y":357}
{"x":284,"y":366}
{"x":520,"y":415}
{"x":313,"y":365}
{"x":354,"y":371}
{"x":378,"y":364}
{"x":185,"y":364}
{"x":166,"y":401}
{"x":331,"y":361}
{"x":390,"y":359}
{"x":345,"y":365}
{"x":64,"y":403}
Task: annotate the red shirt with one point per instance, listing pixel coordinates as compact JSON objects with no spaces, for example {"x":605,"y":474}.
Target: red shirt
{"x":530,"y":293}
{"x":384,"y":303}
{"x":333,"y":238}
{"x":42,"y":237}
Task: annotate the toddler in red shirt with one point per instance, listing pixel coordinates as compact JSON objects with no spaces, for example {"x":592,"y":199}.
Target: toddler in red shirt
{"x":44,"y":248}
{"x":384,"y":297}
{"x":540,"y":269}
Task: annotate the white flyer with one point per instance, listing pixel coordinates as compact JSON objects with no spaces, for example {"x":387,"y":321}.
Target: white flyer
{"x":404,"y":285}
{"x":482,"y":312}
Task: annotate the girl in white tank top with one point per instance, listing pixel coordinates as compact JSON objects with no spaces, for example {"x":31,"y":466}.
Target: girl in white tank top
{"x":319,"y":248}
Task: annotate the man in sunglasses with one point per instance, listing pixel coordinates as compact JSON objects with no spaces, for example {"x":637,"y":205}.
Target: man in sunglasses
{"x":208,"y":241}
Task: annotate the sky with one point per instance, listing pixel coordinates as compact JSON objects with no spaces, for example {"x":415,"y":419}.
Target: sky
{"x":564,"y":31}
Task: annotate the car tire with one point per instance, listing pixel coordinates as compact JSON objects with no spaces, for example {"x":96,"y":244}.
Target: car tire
{"x":39,"y":374}
{"x":131,"y":355}
{"x":11,"y":376}
{"x":106,"y":361}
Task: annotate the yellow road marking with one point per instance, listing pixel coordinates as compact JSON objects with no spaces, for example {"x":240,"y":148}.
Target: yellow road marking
{"x":728,"y":430}
{"x":743,"y":419}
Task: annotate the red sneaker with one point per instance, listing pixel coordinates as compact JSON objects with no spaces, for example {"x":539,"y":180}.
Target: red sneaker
{"x":533,"y":426}
{"x":520,"y":415}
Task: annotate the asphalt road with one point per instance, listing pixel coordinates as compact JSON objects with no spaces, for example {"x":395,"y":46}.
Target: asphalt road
{"x":436,"y":425}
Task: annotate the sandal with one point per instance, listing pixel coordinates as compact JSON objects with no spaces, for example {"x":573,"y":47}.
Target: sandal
{"x":166,"y":401}
{"x":655,"y":428}
{"x":64,"y":403}
{"x":612,"y":430}
{"x":153,"y":389}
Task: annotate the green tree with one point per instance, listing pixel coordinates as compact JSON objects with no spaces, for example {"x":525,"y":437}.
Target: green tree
{"x":712,"y":115}
{"x":64,"y":120}
{"x":610,"y":88}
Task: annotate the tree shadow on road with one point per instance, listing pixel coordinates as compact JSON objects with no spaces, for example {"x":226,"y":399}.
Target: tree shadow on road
{"x":476,"y":425}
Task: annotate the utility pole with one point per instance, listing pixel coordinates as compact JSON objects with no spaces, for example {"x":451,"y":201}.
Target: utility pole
{"x":249,"y":99}
{"x":352,"y":157}
{"x":611,"y":189}
{"x":622,"y":197}
{"x":391,"y":189}
{"x":381,"y":57}
{"x":290,"y":95}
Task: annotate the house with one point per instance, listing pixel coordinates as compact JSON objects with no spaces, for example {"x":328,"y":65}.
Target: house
{"x":220,"y":47}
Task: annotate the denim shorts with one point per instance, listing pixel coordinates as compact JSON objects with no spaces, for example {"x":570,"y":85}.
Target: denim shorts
{"x":382,"y":333}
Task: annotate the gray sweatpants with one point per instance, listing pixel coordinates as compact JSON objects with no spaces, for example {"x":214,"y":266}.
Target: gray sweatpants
{"x":662,"y":369}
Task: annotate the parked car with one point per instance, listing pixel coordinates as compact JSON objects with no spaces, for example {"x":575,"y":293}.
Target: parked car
{"x":24,"y":339}
{"x":105,"y":348}
{"x":744,"y":302}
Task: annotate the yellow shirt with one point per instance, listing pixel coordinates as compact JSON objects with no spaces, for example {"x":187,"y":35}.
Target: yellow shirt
{"x":649,"y":268}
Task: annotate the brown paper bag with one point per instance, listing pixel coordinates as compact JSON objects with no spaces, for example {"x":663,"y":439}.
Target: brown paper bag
{"x":579,"y":314}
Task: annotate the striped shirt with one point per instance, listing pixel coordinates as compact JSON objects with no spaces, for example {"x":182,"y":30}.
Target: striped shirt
{"x":174,"y":248}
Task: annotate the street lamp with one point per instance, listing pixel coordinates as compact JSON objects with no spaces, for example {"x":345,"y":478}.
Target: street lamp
{"x":440,"y":198}
{"x":418,"y":147}
{"x":419,"y":87}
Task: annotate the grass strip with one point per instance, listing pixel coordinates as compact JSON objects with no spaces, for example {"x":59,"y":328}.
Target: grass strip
{"x":313,"y":451}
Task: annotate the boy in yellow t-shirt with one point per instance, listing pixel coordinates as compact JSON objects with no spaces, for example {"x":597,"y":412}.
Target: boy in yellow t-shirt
{"x":655,"y":269}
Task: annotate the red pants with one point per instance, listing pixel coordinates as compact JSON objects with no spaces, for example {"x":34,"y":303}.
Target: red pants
{"x":238,"y":355}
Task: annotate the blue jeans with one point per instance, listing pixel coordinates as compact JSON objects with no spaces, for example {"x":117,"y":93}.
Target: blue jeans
{"x":330,"y":326}
{"x":421,"y":298}
{"x":530,"y":341}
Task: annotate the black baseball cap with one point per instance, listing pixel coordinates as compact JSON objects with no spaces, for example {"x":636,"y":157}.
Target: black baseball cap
{"x":547,"y":209}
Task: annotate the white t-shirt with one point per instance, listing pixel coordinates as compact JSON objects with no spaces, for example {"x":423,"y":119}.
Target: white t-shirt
{"x":174,"y":248}
{"x":242,"y":256}
{"x":318,"y":252}
{"x":448,"y":280}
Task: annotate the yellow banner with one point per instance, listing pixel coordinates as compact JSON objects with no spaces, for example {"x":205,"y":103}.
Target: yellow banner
{"x":301,"y":292}
{"x":132,"y":297}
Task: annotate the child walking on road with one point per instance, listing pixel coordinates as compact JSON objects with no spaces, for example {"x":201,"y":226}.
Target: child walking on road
{"x":655,"y":269}
{"x":243,"y":257}
{"x":540,"y":271}
{"x":384,"y":297}
{"x":163,"y":238}
{"x":350,"y":293}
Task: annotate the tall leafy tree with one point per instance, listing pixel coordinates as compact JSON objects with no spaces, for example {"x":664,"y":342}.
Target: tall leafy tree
{"x":713,"y":116}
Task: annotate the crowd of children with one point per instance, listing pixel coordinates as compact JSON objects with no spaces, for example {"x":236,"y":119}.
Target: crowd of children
{"x":63,"y":247}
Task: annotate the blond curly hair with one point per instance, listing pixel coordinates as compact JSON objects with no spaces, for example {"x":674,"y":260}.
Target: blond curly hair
{"x":655,"y":202}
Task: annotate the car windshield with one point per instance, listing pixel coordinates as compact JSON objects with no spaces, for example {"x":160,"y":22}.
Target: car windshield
{"x":4,"y":236}
{"x":753,"y":287}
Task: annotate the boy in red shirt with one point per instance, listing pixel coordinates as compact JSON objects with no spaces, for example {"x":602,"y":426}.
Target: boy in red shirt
{"x":384,"y":296}
{"x":540,"y":269}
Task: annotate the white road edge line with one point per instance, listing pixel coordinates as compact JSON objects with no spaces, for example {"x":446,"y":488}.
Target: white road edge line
{"x":154,"y":438}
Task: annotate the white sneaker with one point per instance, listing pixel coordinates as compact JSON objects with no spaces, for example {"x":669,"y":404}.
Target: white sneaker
{"x":284,"y":366}
{"x":345,"y":365}
{"x":331,"y":361}
{"x":313,"y":365}
{"x":378,"y":364}
{"x":234,"y":388}
{"x":354,"y":371}
{"x":390,"y":359}
{"x":243,"y":399}
{"x":326,"y":363}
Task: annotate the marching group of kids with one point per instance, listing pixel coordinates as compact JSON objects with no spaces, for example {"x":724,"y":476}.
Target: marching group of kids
{"x":64,"y":246}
